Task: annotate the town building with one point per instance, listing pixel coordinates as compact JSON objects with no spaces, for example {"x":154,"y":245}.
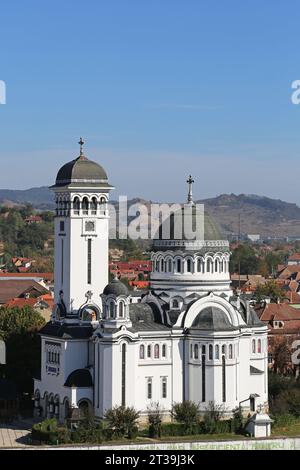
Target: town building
{"x":186,"y":338}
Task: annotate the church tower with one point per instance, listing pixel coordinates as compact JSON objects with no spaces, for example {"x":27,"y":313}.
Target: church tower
{"x":81,"y":234}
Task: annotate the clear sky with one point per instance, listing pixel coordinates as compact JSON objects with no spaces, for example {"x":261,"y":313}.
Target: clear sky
{"x":158,"y":89}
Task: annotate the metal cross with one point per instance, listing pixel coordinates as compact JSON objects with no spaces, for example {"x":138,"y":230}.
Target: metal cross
{"x":81,"y":143}
{"x":190,"y":182}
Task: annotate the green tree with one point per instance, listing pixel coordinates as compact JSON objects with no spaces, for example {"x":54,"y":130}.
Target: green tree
{"x":19,"y":329}
{"x":244,"y":258}
{"x":269,"y":289}
{"x":186,"y":413}
{"x":122,"y":421}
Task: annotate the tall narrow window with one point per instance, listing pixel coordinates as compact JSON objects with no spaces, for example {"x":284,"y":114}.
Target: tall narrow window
{"x":230,"y":352}
{"x":149,"y":350}
{"x":142,"y":351}
{"x":164,"y":351}
{"x":111,"y":309}
{"x":123,"y":374}
{"x":217,"y":352}
{"x":259,"y":346}
{"x":189,"y":266}
{"x":253,"y":346}
{"x":203,"y":376}
{"x":196,"y":351}
{"x":161,"y":265}
{"x":178,"y":267}
{"x":62,"y":261}
{"x":224,"y":350}
{"x":164,"y":387}
{"x":223,"y":379}
{"x":149,"y":388}
{"x":121,"y":309}
{"x":156,"y":351}
{"x":210,"y":352}
{"x":89,"y":262}
{"x":170,"y":265}
{"x":198,"y":265}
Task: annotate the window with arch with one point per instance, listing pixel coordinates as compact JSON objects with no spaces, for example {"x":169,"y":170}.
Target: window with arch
{"x":178,"y":265}
{"x":161,"y":265}
{"x":208,"y":266}
{"x":85,"y":205}
{"x":224,"y":350}
{"x":203,"y":349}
{"x":210,"y":352}
{"x":189,"y":265}
{"x":191,"y":351}
{"x":253,"y":346}
{"x":94,"y":206}
{"x":149,"y":388}
{"x":149,"y":351}
{"x":216,"y":265}
{"x":175,"y":303}
{"x":259,"y":346}
{"x":217,"y":351}
{"x":196,"y":351}
{"x":199,"y":265}
{"x":170,"y":266}
{"x":142,"y":351}
{"x":230,"y":352}
{"x":164,"y":351}
{"x":111,"y":309}
{"x":156,"y":351}
{"x":121,"y":309}
{"x":76,"y":205}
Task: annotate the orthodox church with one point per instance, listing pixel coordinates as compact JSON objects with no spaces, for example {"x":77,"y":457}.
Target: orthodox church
{"x":186,"y":338}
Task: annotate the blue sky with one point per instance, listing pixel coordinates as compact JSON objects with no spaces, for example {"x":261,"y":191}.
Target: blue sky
{"x":158,"y":89}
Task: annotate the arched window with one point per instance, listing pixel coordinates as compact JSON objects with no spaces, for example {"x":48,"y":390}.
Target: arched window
{"x":76,"y":206}
{"x":94,"y":206}
{"x":170,"y":266}
{"x":162,"y":265}
{"x":178,"y":265}
{"x":208,"y":266}
{"x":196,"y":351}
{"x":111,"y":309}
{"x":156,"y":351}
{"x":199,"y":265}
{"x":175,"y":303}
{"x":210,"y":352}
{"x":217,"y":352}
{"x":121,"y":309}
{"x":216,"y":266}
{"x":189,"y":265}
{"x":142,"y":351}
{"x":149,"y":351}
{"x":191,"y":352}
{"x":230,"y":351}
{"x":85,"y":205}
{"x":253,"y":346}
{"x":224,"y":350}
{"x":259,"y":346}
{"x":203,"y":349}
{"x":164,"y":350}
{"x":102,"y":204}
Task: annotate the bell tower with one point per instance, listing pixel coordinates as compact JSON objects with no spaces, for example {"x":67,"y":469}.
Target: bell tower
{"x":81,"y":233}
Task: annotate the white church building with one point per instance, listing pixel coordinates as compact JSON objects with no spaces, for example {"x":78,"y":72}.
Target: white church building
{"x":186,"y":338}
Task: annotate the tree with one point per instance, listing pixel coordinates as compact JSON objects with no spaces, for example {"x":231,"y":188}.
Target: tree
{"x":213,"y":414}
{"x":269,"y":289}
{"x":19,"y":329}
{"x":244,"y":258}
{"x":122,"y":421}
{"x":154,"y":419}
{"x":186,"y":413}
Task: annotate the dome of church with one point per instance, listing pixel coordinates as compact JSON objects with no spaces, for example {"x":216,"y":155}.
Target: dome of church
{"x":115,"y":287}
{"x":81,"y":170}
{"x":213,"y":319}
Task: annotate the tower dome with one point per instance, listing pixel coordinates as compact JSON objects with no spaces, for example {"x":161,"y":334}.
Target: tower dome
{"x":115,"y":287}
{"x":81,"y":172}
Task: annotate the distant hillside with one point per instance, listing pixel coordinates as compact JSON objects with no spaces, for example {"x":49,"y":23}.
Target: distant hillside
{"x":258,"y":214}
{"x":40,"y":198}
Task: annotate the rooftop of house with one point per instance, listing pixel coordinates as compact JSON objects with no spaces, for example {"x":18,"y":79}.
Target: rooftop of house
{"x":10,"y":289}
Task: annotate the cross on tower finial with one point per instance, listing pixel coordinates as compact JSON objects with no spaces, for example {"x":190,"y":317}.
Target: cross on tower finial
{"x":81,"y":143}
{"x":190,"y":182}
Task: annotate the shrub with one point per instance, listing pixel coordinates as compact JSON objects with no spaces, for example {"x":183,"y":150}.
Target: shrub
{"x":283,"y":420}
{"x":237,"y":422}
{"x":186,"y":413}
{"x":154,"y":420}
{"x":288,"y":402}
{"x":121,"y":421}
{"x":212,"y":417}
{"x":48,"y":431}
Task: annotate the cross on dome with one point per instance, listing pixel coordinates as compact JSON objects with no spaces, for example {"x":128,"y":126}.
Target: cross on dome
{"x":190,"y":182}
{"x":81,"y":143}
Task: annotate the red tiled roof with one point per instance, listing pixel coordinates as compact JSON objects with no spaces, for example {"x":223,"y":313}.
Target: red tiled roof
{"x":294,"y":257}
{"x":279,"y":312}
{"x":293,"y":297}
{"x":10,"y":289}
